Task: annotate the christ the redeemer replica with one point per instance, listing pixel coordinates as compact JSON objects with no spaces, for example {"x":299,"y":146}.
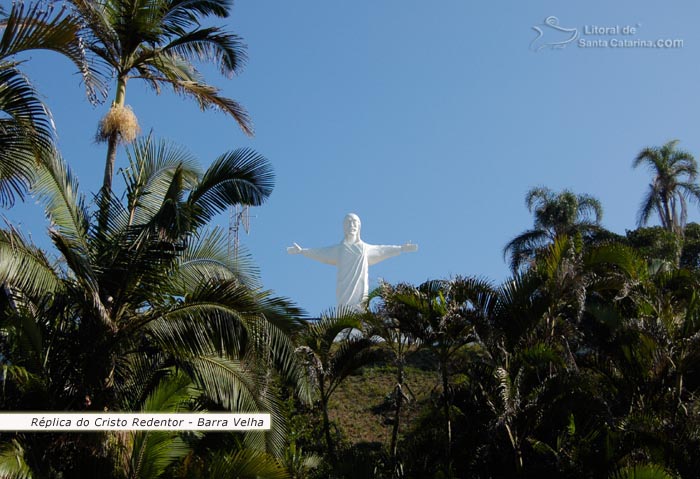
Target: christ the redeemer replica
{"x":352,"y":257}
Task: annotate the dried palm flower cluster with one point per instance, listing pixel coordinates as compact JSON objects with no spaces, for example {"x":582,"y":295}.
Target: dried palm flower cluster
{"x":121,"y":120}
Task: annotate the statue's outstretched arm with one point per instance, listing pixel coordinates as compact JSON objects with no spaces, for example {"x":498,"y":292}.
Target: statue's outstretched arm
{"x":328,"y":255}
{"x":377,"y":253}
{"x":295,"y":249}
{"x":409,"y":248}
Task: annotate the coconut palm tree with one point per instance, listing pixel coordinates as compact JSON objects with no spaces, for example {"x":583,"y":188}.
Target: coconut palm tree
{"x":158,"y":41}
{"x":152,"y":292}
{"x":674,"y":183}
{"x":26,"y":131}
{"x":555,"y":214}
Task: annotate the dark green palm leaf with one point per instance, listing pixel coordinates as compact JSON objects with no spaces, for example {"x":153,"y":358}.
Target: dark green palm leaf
{"x":38,"y":26}
{"x":188,"y":8}
{"x":153,"y":451}
{"x":642,"y":471}
{"x":57,"y":188}
{"x":13,"y":464}
{"x":24,"y":267}
{"x":210,"y":45}
{"x":241,"y":177}
{"x":674,"y":180}
{"x":152,"y":165}
{"x":230,"y":383}
{"x":26,"y":134}
{"x":209,"y":96}
{"x":209,"y":258}
{"x":246,"y":464}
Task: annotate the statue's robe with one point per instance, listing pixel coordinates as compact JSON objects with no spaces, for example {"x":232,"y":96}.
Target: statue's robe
{"x":352,"y":261}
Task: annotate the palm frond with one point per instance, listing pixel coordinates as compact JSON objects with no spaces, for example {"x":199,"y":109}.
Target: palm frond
{"x":137,"y":374}
{"x":24,"y":267}
{"x":350,"y":356}
{"x":208,"y":96}
{"x":57,"y":189}
{"x":173,"y":393}
{"x":231,"y":384}
{"x":648,"y":206}
{"x":153,"y":451}
{"x":13,"y":464}
{"x":524,"y":246}
{"x":38,"y":26}
{"x":99,"y":33}
{"x":478,"y":293}
{"x":642,"y":471}
{"x":152,"y":165}
{"x":274,"y":348}
{"x":590,"y":206}
{"x":210,"y":45}
{"x":208,"y":258}
{"x":26,"y":134}
{"x":241,"y":177}
{"x":646,"y":155}
{"x":538,"y":196}
{"x":246,"y":464}
{"x":331,"y":324}
{"x":619,"y":257}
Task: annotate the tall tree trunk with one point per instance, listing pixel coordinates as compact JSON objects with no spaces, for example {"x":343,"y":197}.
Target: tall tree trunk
{"x":112,"y":143}
{"x":446,"y":407}
{"x":113,"y":140}
{"x":397,"y":413}
{"x":327,"y":428}
{"x":667,"y":221}
{"x":326,"y":421}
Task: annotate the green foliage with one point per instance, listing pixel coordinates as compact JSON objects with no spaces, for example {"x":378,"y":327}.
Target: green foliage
{"x":642,"y":471}
{"x":26,"y":129}
{"x":655,"y":243}
{"x":12,"y":461}
{"x":556,"y":214}
{"x":330,"y":352}
{"x":674,"y":175}
{"x":133,"y":318}
{"x":584,"y":364}
{"x":160,"y":42}
{"x":690,"y":254}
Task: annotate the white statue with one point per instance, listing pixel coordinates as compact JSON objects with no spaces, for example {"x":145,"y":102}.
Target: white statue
{"x":353,"y":257}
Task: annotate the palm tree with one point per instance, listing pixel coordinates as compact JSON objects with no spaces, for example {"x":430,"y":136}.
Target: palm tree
{"x":330,"y":357}
{"x":555,"y":214}
{"x":150,"y":293}
{"x":149,"y":454}
{"x":674,"y":175}
{"x":157,"y":41}
{"x":549,"y":400}
{"x":26,"y":132}
{"x":399,"y":331}
{"x":450,"y":314}
{"x":647,"y":350}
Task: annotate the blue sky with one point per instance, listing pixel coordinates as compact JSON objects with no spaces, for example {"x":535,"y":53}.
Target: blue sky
{"x":430,"y":120}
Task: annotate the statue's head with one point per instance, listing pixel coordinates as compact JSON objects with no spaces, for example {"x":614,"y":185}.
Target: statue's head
{"x":351,"y":227}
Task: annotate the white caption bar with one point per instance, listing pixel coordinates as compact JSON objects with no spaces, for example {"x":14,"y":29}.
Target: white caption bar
{"x":133,"y":422}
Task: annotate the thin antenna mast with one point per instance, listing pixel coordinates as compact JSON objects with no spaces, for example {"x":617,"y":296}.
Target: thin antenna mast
{"x":239,"y":218}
